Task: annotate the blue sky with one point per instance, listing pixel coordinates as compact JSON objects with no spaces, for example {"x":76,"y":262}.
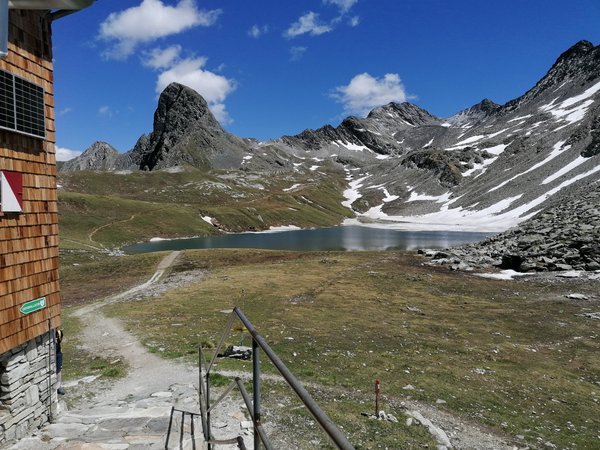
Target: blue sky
{"x":271,"y":67}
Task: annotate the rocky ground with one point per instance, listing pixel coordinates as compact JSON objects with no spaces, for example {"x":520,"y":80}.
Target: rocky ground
{"x":563,"y":237}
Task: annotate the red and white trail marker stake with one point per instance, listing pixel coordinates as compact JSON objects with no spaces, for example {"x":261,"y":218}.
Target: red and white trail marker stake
{"x":377,"y":391}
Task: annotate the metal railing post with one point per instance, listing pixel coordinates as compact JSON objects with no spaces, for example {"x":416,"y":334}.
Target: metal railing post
{"x":208,"y":411}
{"x":258,"y":344}
{"x":169,"y":430}
{"x":201,"y":389}
{"x":193,"y":432}
{"x":181,"y":429}
{"x":256,"y":392}
{"x":324,"y":421}
{"x":246,"y":398}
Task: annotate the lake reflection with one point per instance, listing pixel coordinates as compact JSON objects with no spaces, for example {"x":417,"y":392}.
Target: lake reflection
{"x":335,"y":238}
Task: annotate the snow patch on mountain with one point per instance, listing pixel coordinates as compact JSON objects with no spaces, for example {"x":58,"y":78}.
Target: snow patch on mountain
{"x":292,"y":187}
{"x":480,"y":168}
{"x":497,"y":133}
{"x":443,"y":198}
{"x":388,"y":197}
{"x":282,"y":228}
{"x":573,"y":115}
{"x":565,"y":110}
{"x":352,"y":193}
{"x":553,"y":191}
{"x":566,"y":169}
{"x":497,"y":149}
{"x":496,"y":217}
{"x":516,"y":119}
{"x":353,"y":147}
{"x":556,"y":150}
{"x":578,"y":98}
{"x":470,"y":140}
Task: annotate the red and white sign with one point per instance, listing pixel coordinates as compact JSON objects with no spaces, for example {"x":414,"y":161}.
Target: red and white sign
{"x":11,"y":191}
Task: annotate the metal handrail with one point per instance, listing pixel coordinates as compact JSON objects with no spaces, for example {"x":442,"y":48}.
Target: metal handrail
{"x":334,"y":433}
{"x":259,"y":427}
{"x":181,"y":425}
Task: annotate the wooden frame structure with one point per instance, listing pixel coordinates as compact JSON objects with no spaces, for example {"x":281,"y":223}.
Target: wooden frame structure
{"x":29,"y":239}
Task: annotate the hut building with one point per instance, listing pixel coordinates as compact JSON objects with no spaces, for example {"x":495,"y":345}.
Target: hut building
{"x":29,"y":285}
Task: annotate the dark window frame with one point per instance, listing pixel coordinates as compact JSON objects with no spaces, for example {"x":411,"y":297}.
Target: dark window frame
{"x":22,"y":106}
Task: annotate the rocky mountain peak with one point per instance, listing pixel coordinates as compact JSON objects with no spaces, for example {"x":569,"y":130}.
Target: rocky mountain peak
{"x":580,"y":63}
{"x":180,"y":108}
{"x":580,"y":49}
{"x":185,"y":131}
{"x":475,"y":114}
{"x":407,"y":112}
{"x":98,"y":156}
{"x":100,"y":148}
{"x":486,"y":105}
{"x":582,"y":60}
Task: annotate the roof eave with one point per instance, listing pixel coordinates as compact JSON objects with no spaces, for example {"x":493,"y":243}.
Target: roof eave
{"x":71,"y":5}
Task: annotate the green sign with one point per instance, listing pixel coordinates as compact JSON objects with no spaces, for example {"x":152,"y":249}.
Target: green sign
{"x":33,"y":305}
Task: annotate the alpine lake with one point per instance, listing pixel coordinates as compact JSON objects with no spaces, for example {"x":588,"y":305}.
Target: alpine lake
{"x":341,"y":238}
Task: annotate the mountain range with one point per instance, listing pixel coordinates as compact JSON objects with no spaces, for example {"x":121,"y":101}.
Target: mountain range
{"x":488,"y":167}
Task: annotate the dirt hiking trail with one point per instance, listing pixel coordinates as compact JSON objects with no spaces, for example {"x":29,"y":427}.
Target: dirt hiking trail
{"x":132,"y":413}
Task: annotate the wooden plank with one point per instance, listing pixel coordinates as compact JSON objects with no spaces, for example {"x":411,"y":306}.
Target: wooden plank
{"x":29,"y":241}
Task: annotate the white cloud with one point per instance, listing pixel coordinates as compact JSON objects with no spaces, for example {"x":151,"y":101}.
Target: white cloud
{"x":308,"y":23}
{"x":354,"y":21}
{"x":257,"y":31}
{"x":296,"y":53}
{"x":105,"y":111}
{"x":149,"y":21}
{"x":365,"y":92}
{"x":65,"y":154}
{"x":161,"y":58}
{"x":220,"y":113}
{"x":344,"y":5}
{"x":214,"y":88}
{"x":64,"y":111}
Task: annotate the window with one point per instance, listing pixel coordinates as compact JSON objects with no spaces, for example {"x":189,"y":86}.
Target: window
{"x":7,"y":101}
{"x":21,"y":106}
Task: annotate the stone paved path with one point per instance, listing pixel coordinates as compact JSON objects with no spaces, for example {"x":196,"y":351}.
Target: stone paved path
{"x":133,"y":413}
{"x":135,"y":423}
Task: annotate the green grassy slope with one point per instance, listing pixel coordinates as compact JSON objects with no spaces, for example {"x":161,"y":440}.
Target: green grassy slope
{"x":101,"y":209}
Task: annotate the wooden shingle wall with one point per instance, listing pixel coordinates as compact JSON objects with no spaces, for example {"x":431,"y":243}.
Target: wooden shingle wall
{"x":29,"y":240}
